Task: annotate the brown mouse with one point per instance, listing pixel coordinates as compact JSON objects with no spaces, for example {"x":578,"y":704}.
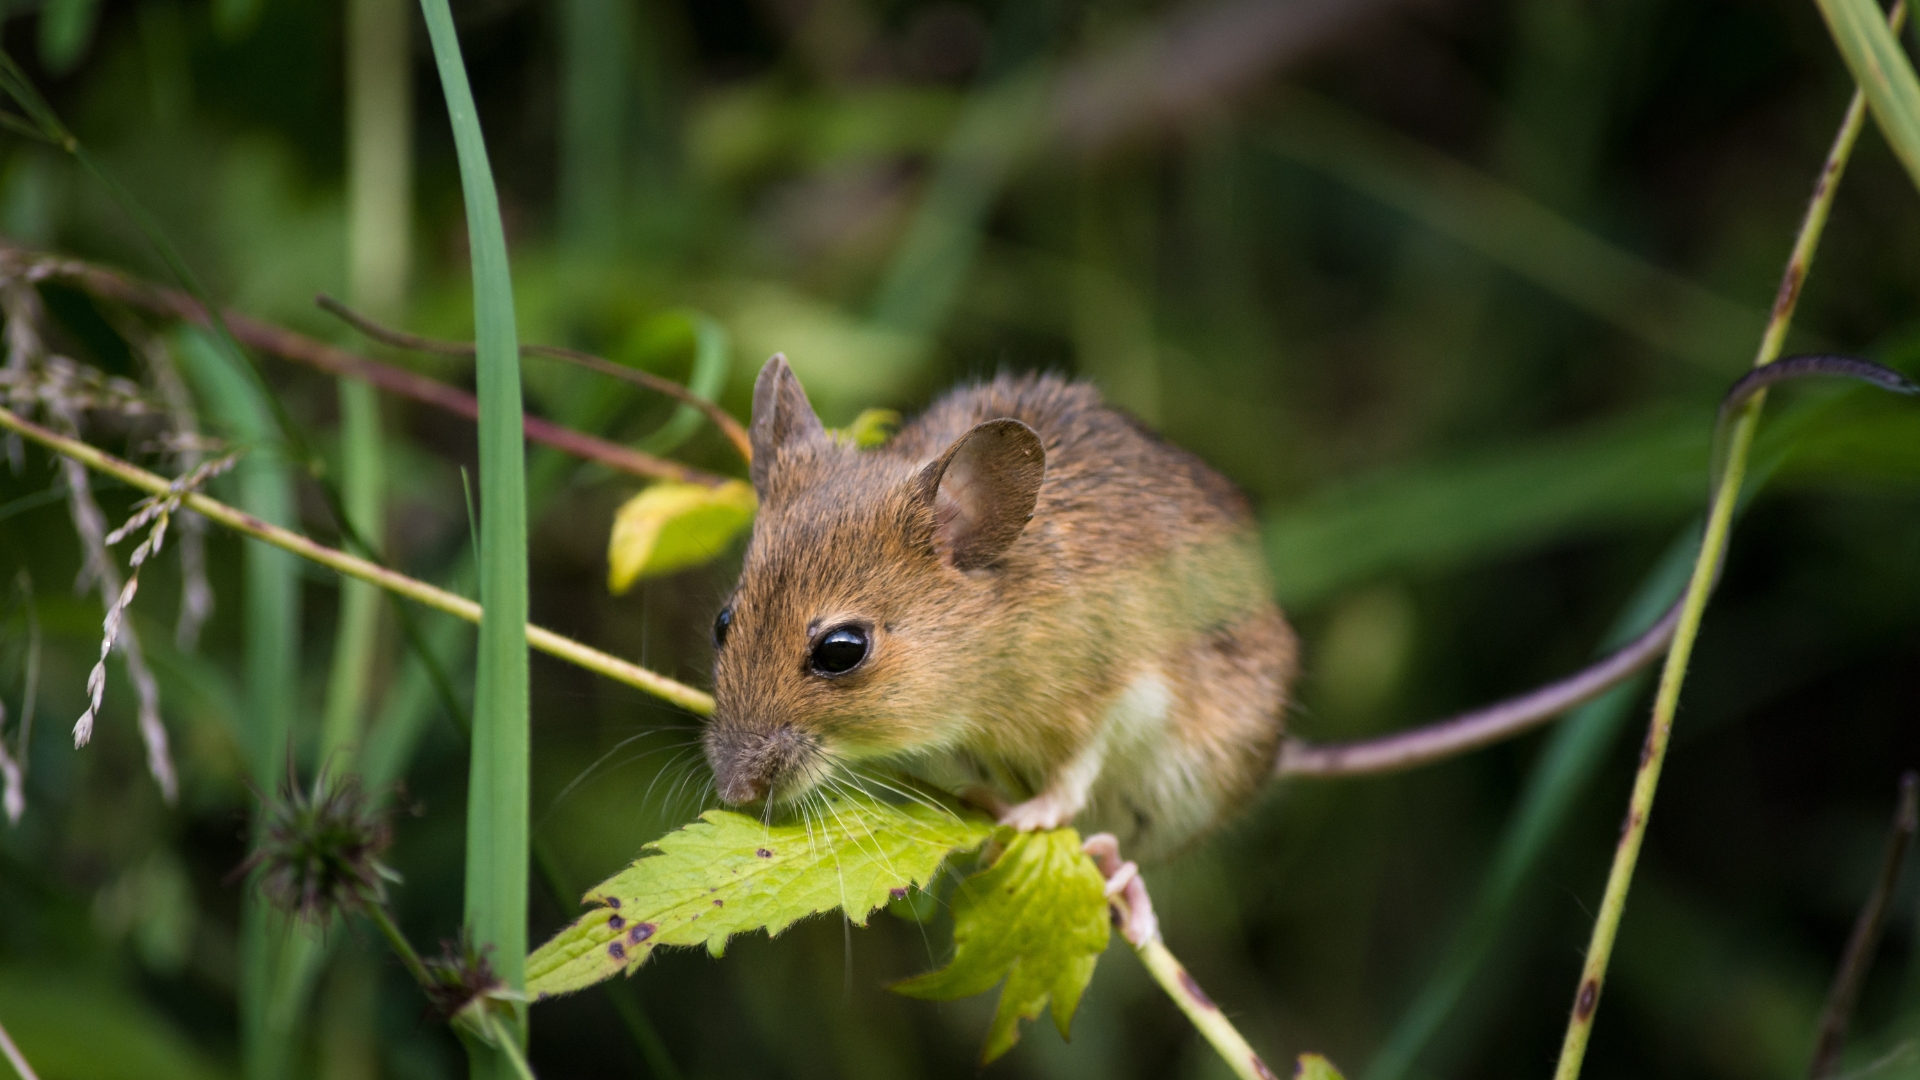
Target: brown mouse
{"x":1023,"y":590}
{"x":1026,"y":591}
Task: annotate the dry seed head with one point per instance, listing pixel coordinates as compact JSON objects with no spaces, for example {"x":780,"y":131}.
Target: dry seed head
{"x":319,"y":852}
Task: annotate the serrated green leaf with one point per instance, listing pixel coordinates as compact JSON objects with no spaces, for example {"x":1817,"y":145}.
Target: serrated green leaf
{"x":1315,"y":1067}
{"x":1037,"y":918}
{"x":671,"y":526}
{"x":729,"y":874}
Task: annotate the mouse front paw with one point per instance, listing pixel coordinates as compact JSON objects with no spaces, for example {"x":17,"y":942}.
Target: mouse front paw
{"x":1042,"y":812}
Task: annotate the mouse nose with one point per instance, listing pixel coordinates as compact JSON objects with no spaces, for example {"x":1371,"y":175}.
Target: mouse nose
{"x":748,"y":765}
{"x":737,"y":787}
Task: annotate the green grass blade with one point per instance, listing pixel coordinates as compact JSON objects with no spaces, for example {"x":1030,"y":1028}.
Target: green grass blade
{"x":1874,"y":57}
{"x":712,"y":360}
{"x":363,"y":484}
{"x":497,"y":793}
{"x":1641,"y":467}
{"x":1513,"y":231}
{"x":1574,"y":752}
{"x":991,"y":137}
{"x":272,"y":619}
{"x":66,"y":27}
{"x":597,"y":58}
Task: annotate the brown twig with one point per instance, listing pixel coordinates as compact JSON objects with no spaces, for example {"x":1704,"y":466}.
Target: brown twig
{"x":1866,"y":934}
{"x":400,"y":339}
{"x":545,"y":640}
{"x":288,"y":345}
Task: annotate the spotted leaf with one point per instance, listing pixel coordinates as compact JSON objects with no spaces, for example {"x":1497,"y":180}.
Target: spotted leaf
{"x":730,"y":874}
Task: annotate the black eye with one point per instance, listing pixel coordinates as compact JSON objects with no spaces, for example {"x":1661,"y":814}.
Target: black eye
{"x":839,"y":650}
{"x":720,"y":624}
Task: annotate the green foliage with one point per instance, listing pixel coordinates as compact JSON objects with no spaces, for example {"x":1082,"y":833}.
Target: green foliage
{"x":1315,"y":1067}
{"x":75,"y":1026}
{"x":1454,"y":325}
{"x":1038,"y":919}
{"x":712,"y":361}
{"x":66,"y":27}
{"x":671,"y":526}
{"x":873,"y":427}
{"x":1881,"y":68}
{"x":729,"y":874}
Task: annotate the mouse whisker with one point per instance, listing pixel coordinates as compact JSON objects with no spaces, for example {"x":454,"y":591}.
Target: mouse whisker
{"x":673,"y":764}
{"x":602,"y":760}
{"x":903,"y":790}
{"x":879,"y":852}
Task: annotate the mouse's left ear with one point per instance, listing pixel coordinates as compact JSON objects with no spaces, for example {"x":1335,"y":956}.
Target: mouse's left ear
{"x":781,"y":415}
{"x":983,"y":490}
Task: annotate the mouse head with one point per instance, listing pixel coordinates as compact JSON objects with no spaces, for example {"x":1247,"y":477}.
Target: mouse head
{"x":869,"y":591}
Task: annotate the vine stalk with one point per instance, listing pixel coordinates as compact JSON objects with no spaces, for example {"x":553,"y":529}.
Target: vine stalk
{"x":1706,"y":570}
{"x":586,"y":656}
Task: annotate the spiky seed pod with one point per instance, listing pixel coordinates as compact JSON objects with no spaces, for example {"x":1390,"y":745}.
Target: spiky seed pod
{"x":461,"y":978}
{"x":319,"y":853}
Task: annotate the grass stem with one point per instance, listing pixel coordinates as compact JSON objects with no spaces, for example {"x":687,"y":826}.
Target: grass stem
{"x":1706,"y":570}
{"x":565,"y":648}
{"x":1212,"y":1024}
{"x":278,"y":341}
{"x":1838,"y":1013}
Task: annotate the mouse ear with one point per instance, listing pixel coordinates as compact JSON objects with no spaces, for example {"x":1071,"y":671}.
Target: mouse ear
{"x":983,"y":490}
{"x":781,"y":416}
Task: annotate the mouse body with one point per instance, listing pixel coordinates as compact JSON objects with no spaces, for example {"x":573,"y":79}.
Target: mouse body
{"x":1023,"y":591}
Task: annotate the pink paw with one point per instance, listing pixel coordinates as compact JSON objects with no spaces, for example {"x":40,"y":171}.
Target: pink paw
{"x":1038,"y":814}
{"x":1126,"y":890}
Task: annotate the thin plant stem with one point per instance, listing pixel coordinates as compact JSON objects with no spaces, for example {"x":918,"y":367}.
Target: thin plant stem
{"x":498,"y":1035}
{"x":1706,"y":570}
{"x":565,"y":648}
{"x":1199,"y":1008}
{"x":489,"y":1024}
{"x":1132,"y":911}
{"x":278,"y":341}
{"x":400,"y":339}
{"x":15,"y":1057}
{"x":377,"y":913}
{"x":1865,"y":938}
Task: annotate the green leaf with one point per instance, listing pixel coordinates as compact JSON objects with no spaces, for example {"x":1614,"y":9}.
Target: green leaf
{"x":873,"y":427}
{"x":1859,"y":28}
{"x":671,"y":526}
{"x":1315,"y":1067}
{"x":1037,"y":918}
{"x":729,"y":874}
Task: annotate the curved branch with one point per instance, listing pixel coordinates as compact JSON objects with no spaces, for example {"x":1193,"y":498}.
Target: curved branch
{"x":400,"y":339}
{"x":288,"y":345}
{"x":586,"y":656}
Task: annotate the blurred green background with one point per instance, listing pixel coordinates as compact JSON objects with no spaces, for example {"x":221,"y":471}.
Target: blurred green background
{"x":1450,"y":287}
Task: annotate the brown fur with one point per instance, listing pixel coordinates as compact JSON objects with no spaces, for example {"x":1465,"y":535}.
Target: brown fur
{"x":1126,"y":631}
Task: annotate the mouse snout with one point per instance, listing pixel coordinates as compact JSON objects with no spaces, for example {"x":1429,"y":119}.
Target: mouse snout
{"x":749,"y":765}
